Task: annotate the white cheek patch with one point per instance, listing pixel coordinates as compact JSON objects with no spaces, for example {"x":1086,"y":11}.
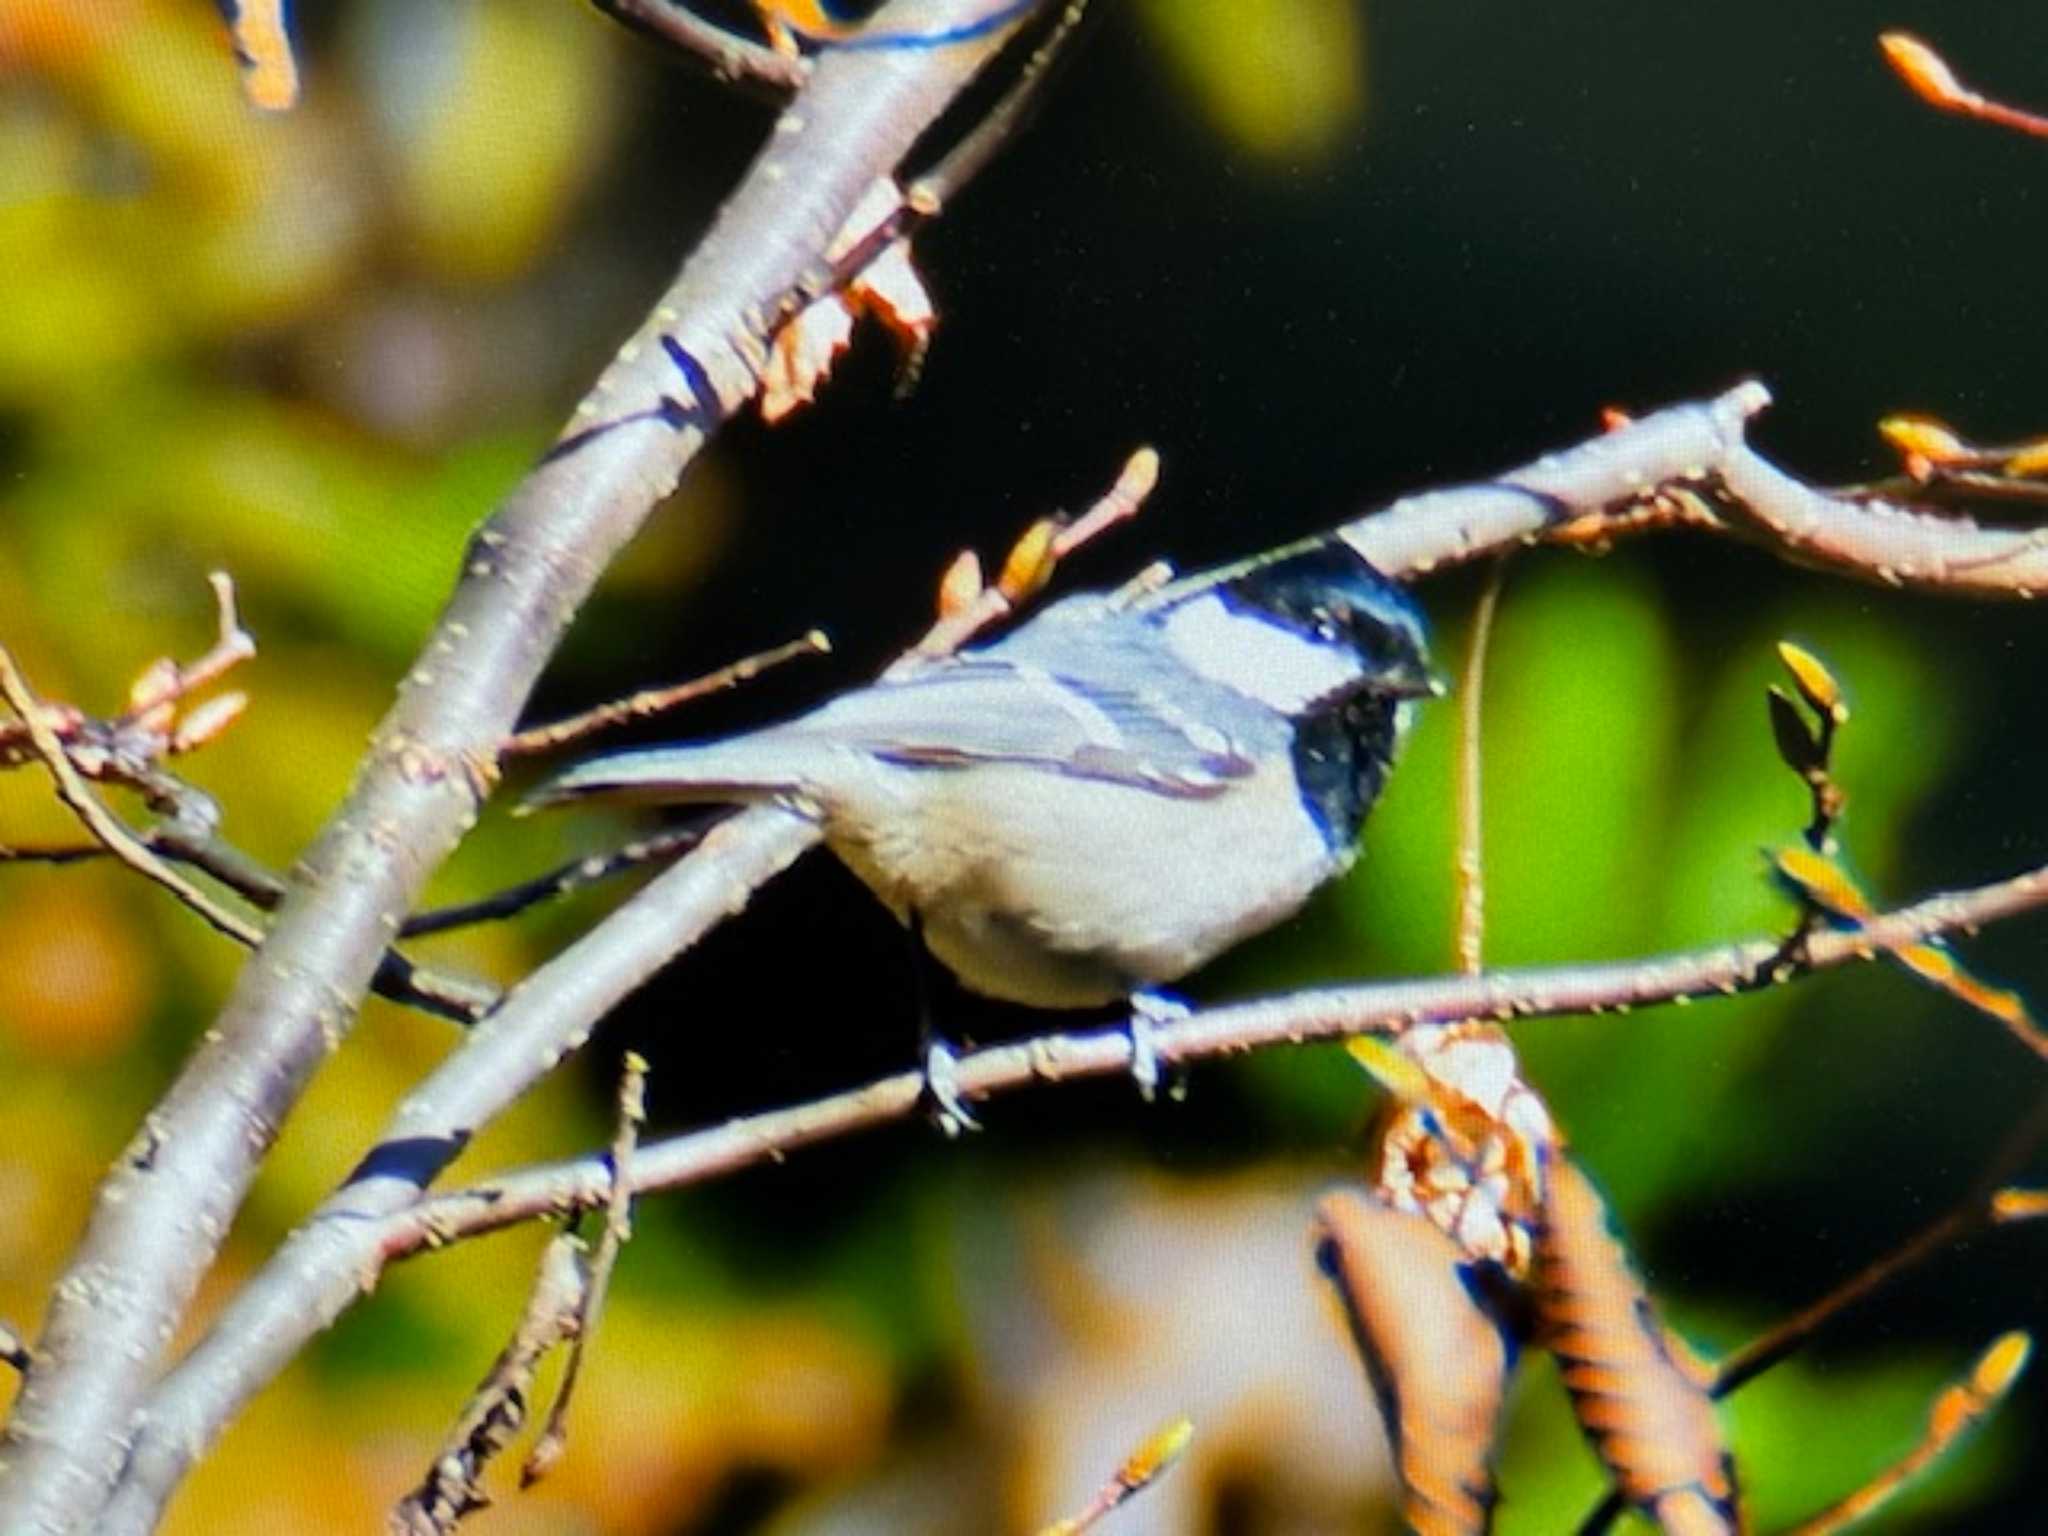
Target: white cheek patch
{"x":1278,"y":667}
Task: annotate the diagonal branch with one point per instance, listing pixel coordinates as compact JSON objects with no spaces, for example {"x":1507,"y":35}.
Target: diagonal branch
{"x":162,"y":1211}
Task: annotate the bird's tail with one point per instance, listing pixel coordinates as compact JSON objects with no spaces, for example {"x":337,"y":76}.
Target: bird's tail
{"x":736,"y":772}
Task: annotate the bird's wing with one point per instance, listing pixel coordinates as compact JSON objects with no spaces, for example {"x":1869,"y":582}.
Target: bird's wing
{"x":990,"y":709}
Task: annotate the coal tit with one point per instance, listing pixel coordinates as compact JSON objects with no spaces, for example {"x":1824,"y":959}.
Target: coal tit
{"x":1112,"y":794}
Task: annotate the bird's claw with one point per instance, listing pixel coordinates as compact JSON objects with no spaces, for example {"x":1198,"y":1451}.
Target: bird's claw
{"x":1149,"y":1010}
{"x":942,"y":1091}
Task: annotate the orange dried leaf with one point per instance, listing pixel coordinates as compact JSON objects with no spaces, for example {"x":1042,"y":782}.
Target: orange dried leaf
{"x":1923,"y":70}
{"x":802,"y":355}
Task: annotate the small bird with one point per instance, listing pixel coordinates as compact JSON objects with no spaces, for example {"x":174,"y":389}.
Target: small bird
{"x":1112,"y":794}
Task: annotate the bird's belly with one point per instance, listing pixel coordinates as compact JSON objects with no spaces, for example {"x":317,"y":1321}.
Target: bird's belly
{"x":1065,"y":892}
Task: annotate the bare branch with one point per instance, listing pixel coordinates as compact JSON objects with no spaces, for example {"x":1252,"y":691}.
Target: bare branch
{"x":1320,"y":1014}
{"x":618,"y":1227}
{"x":103,"y":823}
{"x":1688,"y":466}
{"x":333,"y":1256}
{"x":1986,"y":1205}
{"x":1154,"y":1456}
{"x":557,"y":882}
{"x":164,"y":1208}
{"x":730,"y":56}
{"x":497,"y":1409}
{"x":1927,"y":74}
{"x":655,"y":701}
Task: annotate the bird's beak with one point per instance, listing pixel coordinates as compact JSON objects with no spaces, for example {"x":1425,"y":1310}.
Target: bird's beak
{"x":1411,"y":680}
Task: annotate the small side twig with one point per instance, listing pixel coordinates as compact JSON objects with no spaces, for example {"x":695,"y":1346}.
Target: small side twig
{"x":450,"y":1491}
{"x":1471,"y":869}
{"x":654,"y":701}
{"x":641,"y":853}
{"x":728,"y":55}
{"x":968,"y":606}
{"x":1143,"y":1467}
{"x":1986,"y":1206}
{"x":1927,"y":74}
{"x":101,"y":822}
{"x":618,"y":1227}
{"x":1960,"y":1408}
{"x":186,"y":837}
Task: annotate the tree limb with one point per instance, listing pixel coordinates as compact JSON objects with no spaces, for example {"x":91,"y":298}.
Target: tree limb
{"x":164,"y":1208}
{"x":379,"y":1218}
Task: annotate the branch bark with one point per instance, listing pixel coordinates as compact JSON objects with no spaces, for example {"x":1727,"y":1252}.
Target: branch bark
{"x":162,"y":1211}
{"x":1324,"y":1013}
{"x":378,"y":1219}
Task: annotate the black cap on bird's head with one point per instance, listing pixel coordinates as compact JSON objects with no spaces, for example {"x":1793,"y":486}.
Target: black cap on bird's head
{"x":1330,"y":593}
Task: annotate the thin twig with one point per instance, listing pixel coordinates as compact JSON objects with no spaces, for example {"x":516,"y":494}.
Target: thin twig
{"x":1930,"y":78}
{"x":655,"y":701}
{"x":1960,"y":1408}
{"x":1986,"y":1205}
{"x":1139,"y":1471}
{"x":729,"y":56}
{"x":618,"y":1227}
{"x":497,"y":1409}
{"x":575,"y":875}
{"x":1471,"y":870}
{"x":966,"y":614}
{"x":103,"y":823}
{"x":399,"y":979}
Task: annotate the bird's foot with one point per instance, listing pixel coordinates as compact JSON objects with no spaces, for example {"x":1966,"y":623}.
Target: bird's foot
{"x":948,"y":1111}
{"x":1149,"y":1010}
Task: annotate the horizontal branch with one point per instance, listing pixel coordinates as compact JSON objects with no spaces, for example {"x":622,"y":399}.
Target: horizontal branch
{"x":1689,"y":465}
{"x":1319,"y":1014}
